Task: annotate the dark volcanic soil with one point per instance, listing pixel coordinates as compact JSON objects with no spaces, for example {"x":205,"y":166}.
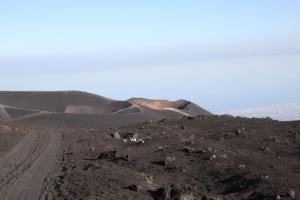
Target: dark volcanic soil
{"x":206,"y":157}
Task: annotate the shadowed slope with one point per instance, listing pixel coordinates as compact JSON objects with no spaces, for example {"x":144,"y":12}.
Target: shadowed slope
{"x":67,"y":101}
{"x":71,"y":108}
{"x":15,"y":112}
{"x":116,"y":120}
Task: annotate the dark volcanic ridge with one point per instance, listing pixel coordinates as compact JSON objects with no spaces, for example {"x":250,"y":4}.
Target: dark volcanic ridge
{"x":46,"y":107}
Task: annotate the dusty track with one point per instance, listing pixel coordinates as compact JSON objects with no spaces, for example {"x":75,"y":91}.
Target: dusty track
{"x":4,"y":116}
{"x":24,"y":169}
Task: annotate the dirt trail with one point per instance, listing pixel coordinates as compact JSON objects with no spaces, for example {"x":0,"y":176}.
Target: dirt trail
{"x":28,"y":116}
{"x":24,"y":169}
{"x":4,"y":116}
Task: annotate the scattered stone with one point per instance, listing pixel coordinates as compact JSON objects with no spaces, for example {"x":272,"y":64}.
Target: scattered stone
{"x":265,"y":177}
{"x":170,"y":160}
{"x":274,"y":139}
{"x":112,"y":156}
{"x":160,"y":148}
{"x":294,"y":133}
{"x":135,"y":140}
{"x":209,"y":149}
{"x":266,"y":149}
{"x":149,"y":137}
{"x":242,"y":166}
{"x":117,"y":135}
{"x":189,"y":118}
{"x":92,"y":148}
{"x":135,"y":188}
{"x":107,"y":155}
{"x":188,"y":149}
{"x":150,"y":180}
{"x":162,"y":120}
{"x":135,"y":136}
{"x":90,"y":166}
{"x":192,"y":139}
{"x":213,"y":157}
{"x":228,"y":134}
{"x":171,"y":192}
{"x":292,"y":194}
{"x":132,"y":137}
{"x":166,"y":192}
{"x":241,"y":132}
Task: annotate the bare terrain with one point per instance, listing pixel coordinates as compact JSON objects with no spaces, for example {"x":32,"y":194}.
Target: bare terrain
{"x":75,"y":145}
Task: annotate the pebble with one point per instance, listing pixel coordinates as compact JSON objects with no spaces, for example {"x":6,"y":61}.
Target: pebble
{"x":170,"y":159}
{"x":213,"y":157}
{"x":274,"y":139}
{"x":188,"y":149}
{"x":209,"y":149}
{"x":266,"y":149}
{"x":134,"y":188}
{"x":242,"y":166}
{"x":117,"y":135}
{"x":160,"y":148}
{"x":265,"y":177}
{"x":292,"y":194}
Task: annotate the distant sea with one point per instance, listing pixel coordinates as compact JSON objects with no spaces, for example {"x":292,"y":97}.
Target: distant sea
{"x":284,"y":112}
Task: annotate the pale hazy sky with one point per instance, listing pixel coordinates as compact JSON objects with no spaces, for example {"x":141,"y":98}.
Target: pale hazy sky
{"x":223,"y":55}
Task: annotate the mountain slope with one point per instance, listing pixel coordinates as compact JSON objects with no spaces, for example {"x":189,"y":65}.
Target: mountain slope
{"x":70,"y":108}
{"x":181,"y":106}
{"x":61,"y":101}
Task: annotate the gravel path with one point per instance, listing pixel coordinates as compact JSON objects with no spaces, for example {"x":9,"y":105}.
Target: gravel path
{"x":24,"y":169}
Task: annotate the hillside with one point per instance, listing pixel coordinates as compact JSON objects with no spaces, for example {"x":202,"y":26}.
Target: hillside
{"x":72,"y":108}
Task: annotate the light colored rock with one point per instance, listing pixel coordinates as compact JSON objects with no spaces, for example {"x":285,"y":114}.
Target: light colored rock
{"x":213,"y":157}
{"x":117,"y":135}
{"x":292,"y":194}
{"x":242,"y":166}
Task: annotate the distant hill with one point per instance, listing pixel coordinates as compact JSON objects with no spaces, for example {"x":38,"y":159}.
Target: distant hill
{"x":74,"y":107}
{"x":62,"y":101}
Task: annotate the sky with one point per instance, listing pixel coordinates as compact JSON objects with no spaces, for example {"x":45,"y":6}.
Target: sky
{"x":223,"y":55}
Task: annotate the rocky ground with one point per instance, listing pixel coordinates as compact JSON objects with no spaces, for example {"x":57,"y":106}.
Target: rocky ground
{"x":207,"y":157}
